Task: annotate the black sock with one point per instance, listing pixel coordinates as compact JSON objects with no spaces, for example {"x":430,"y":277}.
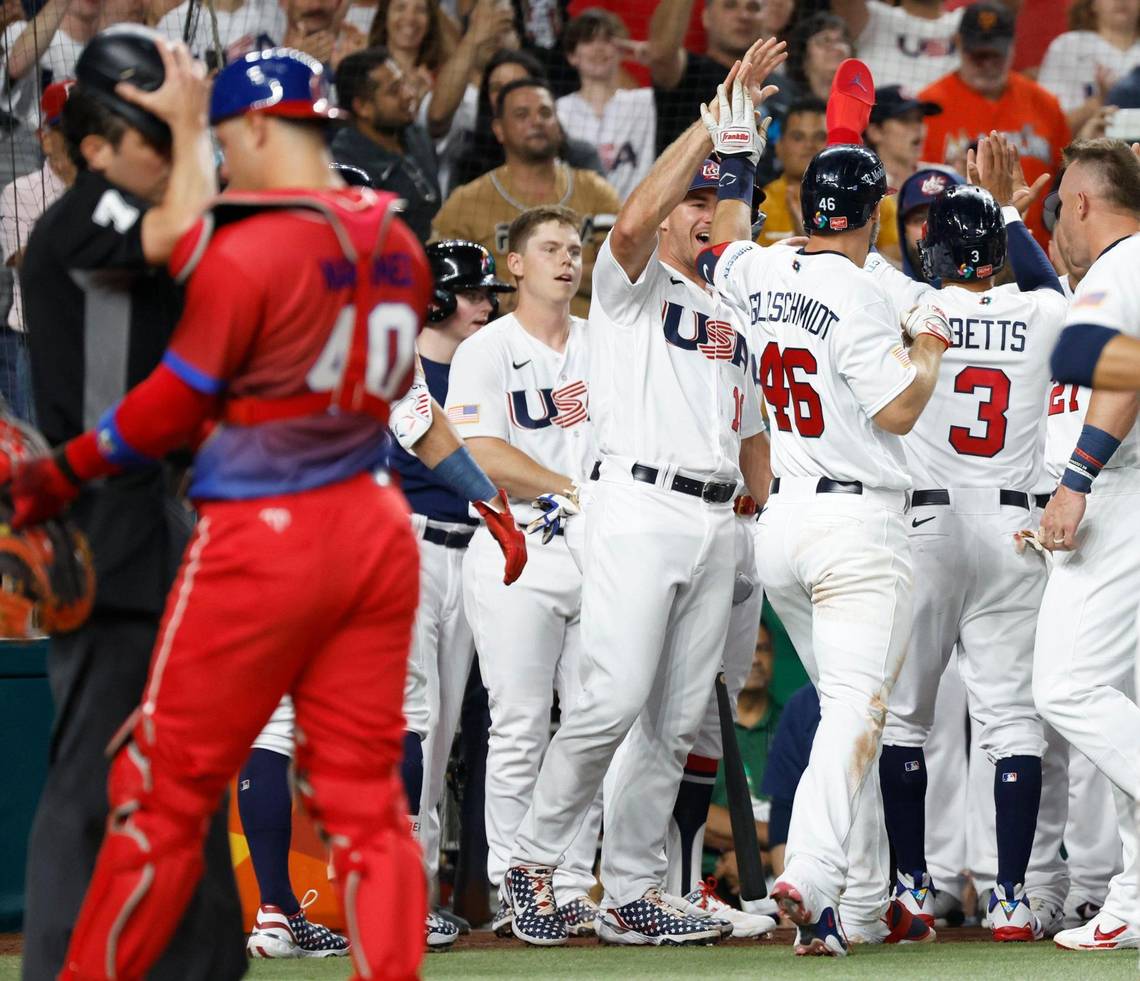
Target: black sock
{"x":902,"y":774}
{"x":412,"y":771}
{"x":1017,"y":795}
{"x":691,"y":813}
{"x":266,"y":809}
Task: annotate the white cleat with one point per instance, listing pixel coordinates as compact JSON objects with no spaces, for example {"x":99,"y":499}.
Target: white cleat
{"x":1102,"y":932}
{"x":704,"y":899}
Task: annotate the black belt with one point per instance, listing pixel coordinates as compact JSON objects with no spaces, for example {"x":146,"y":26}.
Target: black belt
{"x":825,"y":485}
{"x":448,"y":539}
{"x":1009,"y":498}
{"x":709,"y":491}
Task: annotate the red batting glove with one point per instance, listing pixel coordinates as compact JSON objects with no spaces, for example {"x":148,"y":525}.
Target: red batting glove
{"x":40,"y":489}
{"x":508,"y":534}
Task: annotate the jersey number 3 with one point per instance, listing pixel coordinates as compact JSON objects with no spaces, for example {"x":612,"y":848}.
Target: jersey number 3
{"x":991,"y":412}
{"x":783,"y":388}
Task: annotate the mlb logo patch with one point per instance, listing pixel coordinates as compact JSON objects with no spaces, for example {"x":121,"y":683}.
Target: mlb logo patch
{"x":912,"y":766}
{"x":1009,"y":777}
{"x":837,"y":224}
{"x":461,"y":414}
{"x":933,"y":185}
{"x":710,"y":170}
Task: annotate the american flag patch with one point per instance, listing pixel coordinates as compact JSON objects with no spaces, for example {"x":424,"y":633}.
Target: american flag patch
{"x":1010,"y":776}
{"x":899,"y":353}
{"x":460,"y":414}
{"x":1093,"y":299}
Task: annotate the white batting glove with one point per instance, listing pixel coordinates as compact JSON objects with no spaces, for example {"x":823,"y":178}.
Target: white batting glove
{"x":926,"y":318}
{"x":734,"y":134}
{"x":555,"y":508}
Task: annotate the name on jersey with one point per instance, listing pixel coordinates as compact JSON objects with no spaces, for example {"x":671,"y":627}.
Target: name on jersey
{"x":394,"y":269}
{"x":790,"y":307}
{"x":564,"y":407}
{"x":980,"y":334}
{"x":714,"y":339}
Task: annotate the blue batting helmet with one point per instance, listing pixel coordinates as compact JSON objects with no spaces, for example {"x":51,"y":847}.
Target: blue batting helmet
{"x":278,"y":82}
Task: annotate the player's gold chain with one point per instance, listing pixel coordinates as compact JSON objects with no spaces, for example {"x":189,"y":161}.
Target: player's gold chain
{"x":563,"y":168}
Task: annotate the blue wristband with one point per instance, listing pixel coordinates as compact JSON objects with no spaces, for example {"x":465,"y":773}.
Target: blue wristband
{"x":1093,"y":451}
{"x":737,"y":176}
{"x":464,"y":476}
{"x":1077,"y":352}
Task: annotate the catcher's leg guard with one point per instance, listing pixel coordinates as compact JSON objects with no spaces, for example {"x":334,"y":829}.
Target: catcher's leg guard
{"x":149,"y":864}
{"x":379,"y":871}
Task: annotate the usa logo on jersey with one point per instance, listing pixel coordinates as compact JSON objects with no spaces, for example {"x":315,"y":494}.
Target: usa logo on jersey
{"x":564,"y":407}
{"x":716,"y":340}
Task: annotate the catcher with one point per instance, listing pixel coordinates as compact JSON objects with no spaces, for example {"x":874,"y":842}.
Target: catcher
{"x":302,"y":574}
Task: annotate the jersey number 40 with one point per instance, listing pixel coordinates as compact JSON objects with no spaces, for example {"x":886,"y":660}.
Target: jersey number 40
{"x":783,"y":388}
{"x":392,"y":329}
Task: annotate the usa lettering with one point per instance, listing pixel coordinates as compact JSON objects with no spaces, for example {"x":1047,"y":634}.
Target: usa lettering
{"x":716,"y":340}
{"x":789,"y":307}
{"x":980,"y":334}
{"x":564,"y":407}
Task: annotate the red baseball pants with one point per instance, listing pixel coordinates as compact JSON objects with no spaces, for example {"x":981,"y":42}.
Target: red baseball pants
{"x":312,"y":594}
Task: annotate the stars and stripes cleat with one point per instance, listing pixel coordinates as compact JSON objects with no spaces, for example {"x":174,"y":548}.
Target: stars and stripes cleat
{"x":580,"y":916}
{"x":439,"y":934}
{"x":746,"y":925}
{"x":682,"y":905}
{"x":1010,"y":916}
{"x":504,"y":916}
{"x":1103,"y":932}
{"x":917,"y":894}
{"x":455,"y":920}
{"x":651,"y":921}
{"x":279,"y":935}
{"x":823,"y":938}
{"x":529,"y":891}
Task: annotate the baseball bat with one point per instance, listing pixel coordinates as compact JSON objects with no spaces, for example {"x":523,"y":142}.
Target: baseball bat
{"x":748,"y":864}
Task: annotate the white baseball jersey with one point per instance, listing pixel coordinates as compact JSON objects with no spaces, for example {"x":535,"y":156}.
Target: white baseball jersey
{"x":832,"y":357}
{"x":625,"y":134}
{"x":672,"y":381}
{"x":1108,"y":295}
{"x":983,"y":426}
{"x":508,"y":384}
{"x":902,"y":49}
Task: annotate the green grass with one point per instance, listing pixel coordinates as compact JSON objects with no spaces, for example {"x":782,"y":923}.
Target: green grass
{"x":982,"y":961}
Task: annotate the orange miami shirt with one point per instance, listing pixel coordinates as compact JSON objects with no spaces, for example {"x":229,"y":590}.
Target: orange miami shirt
{"x":1028,"y":115}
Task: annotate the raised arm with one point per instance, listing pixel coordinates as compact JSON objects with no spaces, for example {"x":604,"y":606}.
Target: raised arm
{"x":855,"y":12}
{"x":30,"y":46}
{"x":665,"y":52}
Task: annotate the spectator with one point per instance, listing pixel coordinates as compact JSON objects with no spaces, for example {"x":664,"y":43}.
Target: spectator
{"x":242,"y":26}
{"x":317,"y":28}
{"x":482,"y":152}
{"x":383,"y":138}
{"x":1100,"y":48}
{"x":897,"y":131}
{"x":419,"y":38}
{"x":482,"y":211}
{"x":914,"y":197}
{"x":911,"y":44}
{"x":756,"y":716}
{"x":803,"y":133}
{"x":788,"y":756}
{"x":1125,"y":94}
{"x":619,"y":123}
{"x":818,"y":46}
{"x":21,"y":204}
{"x":683,"y":79}
{"x":985,"y":94}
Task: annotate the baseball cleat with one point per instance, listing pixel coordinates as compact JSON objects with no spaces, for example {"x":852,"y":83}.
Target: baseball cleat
{"x":529,"y":891}
{"x":917,"y":894}
{"x":501,"y":922}
{"x":704,"y":899}
{"x":651,"y":921}
{"x":1051,"y":918}
{"x":279,"y":935}
{"x":440,"y":934}
{"x":682,"y":905}
{"x":897,"y":926}
{"x":1102,"y":932}
{"x":580,"y":916}
{"x":455,"y":920}
{"x":820,"y":936}
{"x":1010,"y":916}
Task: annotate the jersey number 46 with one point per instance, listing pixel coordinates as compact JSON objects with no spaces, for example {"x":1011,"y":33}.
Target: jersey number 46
{"x":784,"y":388}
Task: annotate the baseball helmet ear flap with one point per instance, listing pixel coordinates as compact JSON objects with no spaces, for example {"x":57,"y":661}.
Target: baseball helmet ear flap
{"x":442,"y":305}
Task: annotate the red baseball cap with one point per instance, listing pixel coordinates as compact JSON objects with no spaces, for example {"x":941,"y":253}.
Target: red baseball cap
{"x":51,"y":103}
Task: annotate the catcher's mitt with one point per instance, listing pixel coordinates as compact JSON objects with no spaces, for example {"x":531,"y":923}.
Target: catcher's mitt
{"x":47,"y":579}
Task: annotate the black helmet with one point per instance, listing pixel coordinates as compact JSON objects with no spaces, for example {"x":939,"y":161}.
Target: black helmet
{"x":964,"y":236}
{"x":124,"y":53}
{"x":458,"y":266}
{"x":840,"y":188}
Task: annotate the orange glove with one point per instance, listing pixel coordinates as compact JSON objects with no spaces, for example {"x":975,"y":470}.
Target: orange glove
{"x":508,"y":534}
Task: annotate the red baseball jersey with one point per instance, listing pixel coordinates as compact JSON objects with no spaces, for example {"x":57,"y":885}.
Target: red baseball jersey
{"x":270,"y":318}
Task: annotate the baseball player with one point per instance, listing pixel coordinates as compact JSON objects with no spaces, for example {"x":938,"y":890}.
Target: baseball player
{"x":975,"y":456}
{"x":840,"y":388}
{"x":676,"y":419}
{"x":296,"y":368}
{"x":519,"y":398}
{"x":1084,"y":659}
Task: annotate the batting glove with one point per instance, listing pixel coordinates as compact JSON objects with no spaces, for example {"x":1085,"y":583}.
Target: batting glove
{"x":502,"y":526}
{"x":734,"y":134}
{"x":555,"y":508}
{"x":926,"y":318}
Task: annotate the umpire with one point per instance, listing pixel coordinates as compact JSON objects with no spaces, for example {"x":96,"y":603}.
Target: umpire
{"x":99,"y":311}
